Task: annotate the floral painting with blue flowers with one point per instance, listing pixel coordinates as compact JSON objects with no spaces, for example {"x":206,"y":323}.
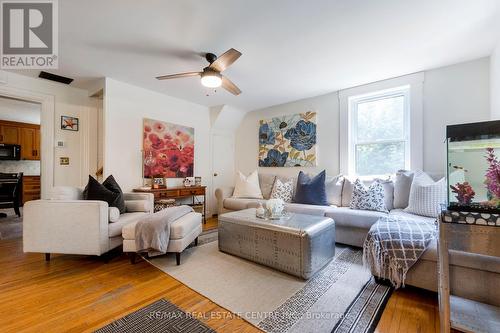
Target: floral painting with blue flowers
{"x":288,"y":141}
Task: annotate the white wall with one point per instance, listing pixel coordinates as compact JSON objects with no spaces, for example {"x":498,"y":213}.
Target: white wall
{"x":495,"y":82}
{"x":20,"y":111}
{"x":453,"y":94}
{"x":125,"y":106}
{"x":327,"y":108}
{"x":69,"y":101}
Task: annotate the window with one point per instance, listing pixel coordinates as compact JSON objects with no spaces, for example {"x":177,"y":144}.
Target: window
{"x":379,"y":132}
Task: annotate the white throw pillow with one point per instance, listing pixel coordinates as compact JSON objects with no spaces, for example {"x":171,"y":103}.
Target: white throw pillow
{"x":426,"y":196}
{"x":282,"y":190}
{"x":371,"y":198}
{"x":247,"y":187}
{"x":333,"y":187}
{"x":113,"y":214}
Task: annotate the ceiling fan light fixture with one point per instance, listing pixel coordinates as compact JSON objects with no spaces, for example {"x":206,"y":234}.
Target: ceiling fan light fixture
{"x":211,"y":79}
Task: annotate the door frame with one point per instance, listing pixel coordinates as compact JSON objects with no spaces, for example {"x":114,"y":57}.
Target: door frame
{"x":46,"y":131}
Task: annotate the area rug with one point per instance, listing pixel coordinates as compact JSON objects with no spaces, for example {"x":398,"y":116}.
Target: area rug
{"x":10,"y":226}
{"x":160,"y":316}
{"x":343,"y":297}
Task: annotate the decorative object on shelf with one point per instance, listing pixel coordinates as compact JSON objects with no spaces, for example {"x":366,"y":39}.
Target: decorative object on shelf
{"x":474,"y":167}
{"x":172,"y":147}
{"x":288,"y":141}
{"x":197,"y":181}
{"x":275,"y":207}
{"x":149,"y":161}
{"x":69,"y":123}
{"x":187,"y":182}
{"x":159,"y":182}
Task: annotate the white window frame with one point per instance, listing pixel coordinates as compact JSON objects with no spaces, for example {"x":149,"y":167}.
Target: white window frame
{"x":354,"y":101}
{"x":414,"y":120}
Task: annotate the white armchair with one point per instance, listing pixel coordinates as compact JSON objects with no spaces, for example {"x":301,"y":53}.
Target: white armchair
{"x":67,"y":224}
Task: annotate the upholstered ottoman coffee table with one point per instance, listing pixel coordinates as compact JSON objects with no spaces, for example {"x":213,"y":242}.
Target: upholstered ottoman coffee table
{"x":300,"y":245}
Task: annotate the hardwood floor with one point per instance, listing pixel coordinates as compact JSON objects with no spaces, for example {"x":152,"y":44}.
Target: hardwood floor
{"x":80,"y":294}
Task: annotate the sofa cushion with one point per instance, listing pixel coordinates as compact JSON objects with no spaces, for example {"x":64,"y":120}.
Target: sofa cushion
{"x":178,"y":229}
{"x":388,"y":192}
{"x":115,"y":229}
{"x":426,"y":196}
{"x":311,"y":190}
{"x":266,"y":182}
{"x":333,"y":187}
{"x":308,"y":209}
{"x":111,"y":184}
{"x":371,"y":198}
{"x":138,"y":206}
{"x":347,"y":192}
{"x":66,"y":193}
{"x":402,"y":186}
{"x":241,"y":203}
{"x":283,"y":191}
{"x":96,"y":191}
{"x":346,"y":217}
{"x":402,"y":213}
{"x":247,"y":186}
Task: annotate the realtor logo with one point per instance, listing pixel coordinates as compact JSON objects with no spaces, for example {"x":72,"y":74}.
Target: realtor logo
{"x":29,"y":34}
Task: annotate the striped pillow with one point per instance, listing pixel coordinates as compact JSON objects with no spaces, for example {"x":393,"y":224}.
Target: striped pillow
{"x":426,"y":196}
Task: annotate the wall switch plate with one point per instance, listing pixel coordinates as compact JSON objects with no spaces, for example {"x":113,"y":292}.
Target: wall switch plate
{"x":64,"y":160}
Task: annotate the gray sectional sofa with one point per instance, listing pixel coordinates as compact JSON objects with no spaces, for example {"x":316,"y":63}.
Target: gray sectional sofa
{"x":472,"y":276}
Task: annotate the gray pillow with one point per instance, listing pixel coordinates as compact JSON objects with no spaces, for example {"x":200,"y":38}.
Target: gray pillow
{"x":402,"y":186}
{"x":266,"y":182}
{"x":347,"y":192}
{"x":333,"y":187}
{"x":388,"y":192}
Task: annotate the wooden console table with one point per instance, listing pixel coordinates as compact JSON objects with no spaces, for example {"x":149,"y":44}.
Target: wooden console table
{"x":179,"y":193}
{"x":474,"y":233}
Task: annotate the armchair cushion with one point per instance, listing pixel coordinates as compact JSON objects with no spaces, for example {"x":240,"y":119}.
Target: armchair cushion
{"x":138,"y":206}
{"x":96,"y":191}
{"x":111,"y":184}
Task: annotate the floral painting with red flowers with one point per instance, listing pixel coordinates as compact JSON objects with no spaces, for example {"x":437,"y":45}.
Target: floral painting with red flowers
{"x":171,"y":147}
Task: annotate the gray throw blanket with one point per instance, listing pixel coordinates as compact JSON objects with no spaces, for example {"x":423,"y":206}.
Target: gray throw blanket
{"x":394,"y":244}
{"x":152,"y":233}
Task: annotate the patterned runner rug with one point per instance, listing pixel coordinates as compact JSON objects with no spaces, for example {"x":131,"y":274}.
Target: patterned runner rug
{"x":343,"y":297}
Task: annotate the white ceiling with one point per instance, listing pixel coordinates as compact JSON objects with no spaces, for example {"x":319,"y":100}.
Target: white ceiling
{"x":291,"y":49}
{"x":21,"y":111}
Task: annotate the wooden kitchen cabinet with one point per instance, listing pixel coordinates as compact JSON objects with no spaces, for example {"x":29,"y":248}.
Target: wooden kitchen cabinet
{"x":25,"y":135}
{"x":9,"y":134}
{"x":31,"y":188}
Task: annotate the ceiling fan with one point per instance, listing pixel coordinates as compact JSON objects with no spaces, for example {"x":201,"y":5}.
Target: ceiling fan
{"x":211,"y":75}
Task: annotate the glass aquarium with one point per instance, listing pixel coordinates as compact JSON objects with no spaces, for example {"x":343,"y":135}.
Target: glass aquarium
{"x":473,"y":153}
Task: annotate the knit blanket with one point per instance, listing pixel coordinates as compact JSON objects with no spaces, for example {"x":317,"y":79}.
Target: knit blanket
{"x":394,"y":244}
{"x":152,"y":233}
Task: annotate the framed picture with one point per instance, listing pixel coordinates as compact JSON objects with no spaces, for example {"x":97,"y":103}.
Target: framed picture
{"x":69,"y":123}
{"x":159,"y":182}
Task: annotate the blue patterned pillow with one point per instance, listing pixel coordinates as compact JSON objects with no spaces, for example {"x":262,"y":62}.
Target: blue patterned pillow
{"x":371,"y":198}
{"x":311,"y":191}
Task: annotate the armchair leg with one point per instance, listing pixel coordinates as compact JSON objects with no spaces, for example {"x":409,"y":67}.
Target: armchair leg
{"x":47,"y":256}
{"x":196,"y":241}
{"x":178,"y":258}
{"x":132,"y":256}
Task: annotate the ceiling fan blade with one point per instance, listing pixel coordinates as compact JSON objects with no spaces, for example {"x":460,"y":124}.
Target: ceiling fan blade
{"x":230,"y":86}
{"x":225,"y":60}
{"x":179,"y":75}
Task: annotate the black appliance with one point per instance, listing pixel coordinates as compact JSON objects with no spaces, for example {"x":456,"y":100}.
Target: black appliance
{"x":11,"y":185}
{"x":10,"y":152}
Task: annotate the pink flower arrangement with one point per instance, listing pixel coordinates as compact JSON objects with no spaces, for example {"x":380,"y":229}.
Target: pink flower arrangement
{"x":492,"y":175}
{"x":172,"y":147}
{"x":464,"y":192}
